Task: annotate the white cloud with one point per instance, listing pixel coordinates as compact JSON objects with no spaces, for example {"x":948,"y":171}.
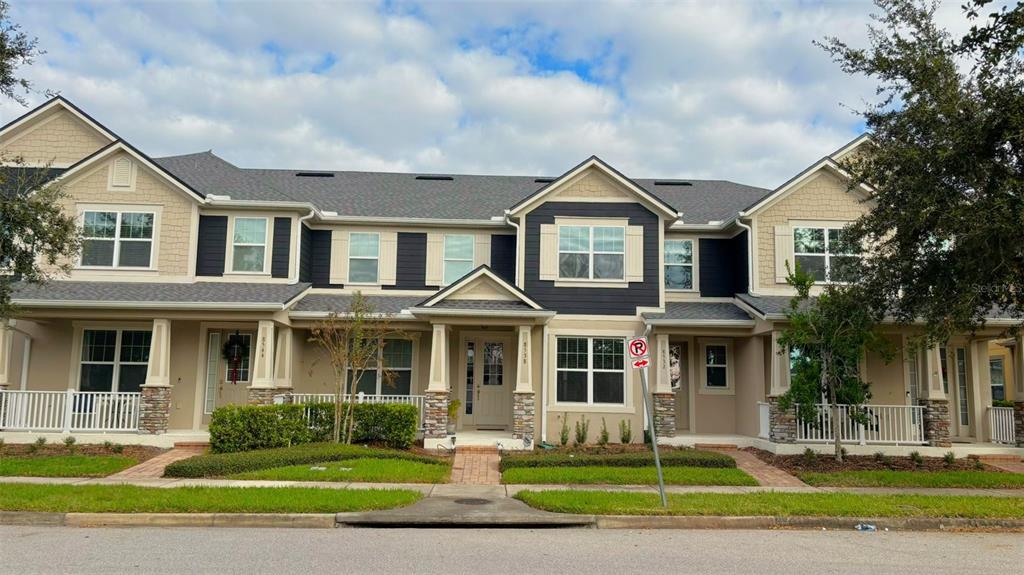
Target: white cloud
{"x":733,"y":90}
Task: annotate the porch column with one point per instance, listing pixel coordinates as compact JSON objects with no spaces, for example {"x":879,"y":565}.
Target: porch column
{"x":980,"y":389}
{"x":435,"y":416}
{"x":283,"y":364}
{"x":933,"y":399}
{"x":1018,"y":389}
{"x":524,"y":405}
{"x":6,"y":343}
{"x":261,"y":392}
{"x":155,"y":403}
{"x":662,"y":393}
{"x":781,"y":423}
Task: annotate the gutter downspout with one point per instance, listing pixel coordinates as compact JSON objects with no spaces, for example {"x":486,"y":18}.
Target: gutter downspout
{"x":750,"y":255}
{"x":519,"y":268}
{"x":298,"y":244}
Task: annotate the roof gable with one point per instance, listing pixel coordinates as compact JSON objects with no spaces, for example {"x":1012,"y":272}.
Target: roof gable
{"x":825,"y":164}
{"x":600,"y":181}
{"x":57,"y":102}
{"x":481,"y":284}
{"x":119,"y":146}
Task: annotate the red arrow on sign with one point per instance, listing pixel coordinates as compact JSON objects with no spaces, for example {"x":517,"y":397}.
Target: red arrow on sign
{"x":641,"y":363}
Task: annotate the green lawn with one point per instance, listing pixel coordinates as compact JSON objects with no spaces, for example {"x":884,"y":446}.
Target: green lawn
{"x":64,"y":465}
{"x":132,"y":499}
{"x":369,"y":470}
{"x":626,"y":476}
{"x":776,"y":504}
{"x":978,"y":479}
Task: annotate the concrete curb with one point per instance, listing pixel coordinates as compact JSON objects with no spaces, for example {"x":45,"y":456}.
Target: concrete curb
{"x":277,"y":520}
{"x":816,"y":523}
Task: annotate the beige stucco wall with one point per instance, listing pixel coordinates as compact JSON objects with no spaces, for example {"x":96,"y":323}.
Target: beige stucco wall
{"x":58,"y":138}
{"x":822,"y":197}
{"x":184,"y":370}
{"x":750,"y":376}
{"x":176,"y":214}
{"x":887,"y":379}
{"x":50,"y":368}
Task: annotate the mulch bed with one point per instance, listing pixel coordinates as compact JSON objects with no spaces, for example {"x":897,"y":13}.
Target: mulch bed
{"x":826,"y":463}
{"x":139,"y":453}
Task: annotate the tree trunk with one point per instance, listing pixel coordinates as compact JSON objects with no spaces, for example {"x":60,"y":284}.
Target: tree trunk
{"x":834,"y":408}
{"x":338,"y":395}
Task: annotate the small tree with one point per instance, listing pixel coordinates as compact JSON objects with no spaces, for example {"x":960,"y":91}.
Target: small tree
{"x":829,"y":335}
{"x":353,"y":342}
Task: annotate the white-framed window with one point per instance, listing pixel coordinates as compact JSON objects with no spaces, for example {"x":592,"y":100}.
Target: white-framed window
{"x":363,"y":257}
{"x":591,"y":252}
{"x":822,"y":253}
{"x":249,"y":245}
{"x":679,"y":264}
{"x":458,"y":256}
{"x":114,"y":359}
{"x":396,"y":376}
{"x":243,"y":366}
{"x":997,"y":376}
{"x":590,"y":370}
{"x":114,"y":239}
{"x":716,"y":371}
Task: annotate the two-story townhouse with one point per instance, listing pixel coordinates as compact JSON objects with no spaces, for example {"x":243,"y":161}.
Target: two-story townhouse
{"x":515,"y":295}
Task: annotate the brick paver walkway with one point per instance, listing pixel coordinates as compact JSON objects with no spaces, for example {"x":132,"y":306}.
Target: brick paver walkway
{"x":153,"y":468}
{"x":766,"y":475}
{"x":476,"y":466}
{"x":1006,"y":465}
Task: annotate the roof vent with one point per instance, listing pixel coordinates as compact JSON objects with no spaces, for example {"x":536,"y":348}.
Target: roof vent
{"x":672,"y":183}
{"x":314,"y":175}
{"x":543,"y":180}
{"x":436,"y":178}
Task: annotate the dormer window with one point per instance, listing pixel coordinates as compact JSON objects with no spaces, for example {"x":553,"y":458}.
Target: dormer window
{"x":121,"y":173}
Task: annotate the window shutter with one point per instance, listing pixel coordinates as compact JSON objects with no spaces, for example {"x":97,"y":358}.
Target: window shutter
{"x":482,"y":250}
{"x":435,"y":258}
{"x":339,"y":256}
{"x":388,"y":258}
{"x":783,"y":251}
{"x":548,"y":252}
{"x":634,"y":253}
{"x":122,"y":173}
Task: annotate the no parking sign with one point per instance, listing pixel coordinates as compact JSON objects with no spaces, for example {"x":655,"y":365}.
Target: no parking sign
{"x":638,"y":352}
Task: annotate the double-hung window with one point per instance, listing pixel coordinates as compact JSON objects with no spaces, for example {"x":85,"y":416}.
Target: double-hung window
{"x":716,"y":366}
{"x":114,"y":359}
{"x":363,"y":257}
{"x":590,"y":370}
{"x":591,"y":252}
{"x":679,"y":264}
{"x":117,"y":239}
{"x":391,"y":373}
{"x":997,"y":376}
{"x":823,"y":253}
{"x":458,"y":257}
{"x":249,"y":245}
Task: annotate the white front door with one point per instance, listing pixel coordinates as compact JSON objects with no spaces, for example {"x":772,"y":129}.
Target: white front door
{"x":488,"y":383}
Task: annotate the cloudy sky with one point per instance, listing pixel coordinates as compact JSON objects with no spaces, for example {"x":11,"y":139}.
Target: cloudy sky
{"x":730,"y":90}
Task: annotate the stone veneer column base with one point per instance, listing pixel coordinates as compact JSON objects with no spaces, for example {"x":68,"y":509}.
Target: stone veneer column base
{"x":782,"y":423}
{"x":261,"y":395}
{"x":524,"y":410}
{"x":1018,"y":421}
{"x":936,"y":422}
{"x":664,"y":414}
{"x":435,"y":415}
{"x":154,"y":409}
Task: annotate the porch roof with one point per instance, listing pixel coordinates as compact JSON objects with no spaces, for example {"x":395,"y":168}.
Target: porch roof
{"x":324,"y":303}
{"x":700,"y":313}
{"x":136,"y":295}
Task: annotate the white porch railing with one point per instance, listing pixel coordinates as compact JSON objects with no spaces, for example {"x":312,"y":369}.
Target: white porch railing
{"x":764,"y":414}
{"x":69,"y":411}
{"x":417,"y":400}
{"x":885,"y":424}
{"x":1000,"y":425}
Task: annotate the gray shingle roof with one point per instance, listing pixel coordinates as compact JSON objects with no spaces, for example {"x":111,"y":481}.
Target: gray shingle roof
{"x":380,"y":194}
{"x":202,"y":292}
{"x":483,"y":304}
{"x":700,"y":311}
{"x":766,"y":304}
{"x":339,"y":303}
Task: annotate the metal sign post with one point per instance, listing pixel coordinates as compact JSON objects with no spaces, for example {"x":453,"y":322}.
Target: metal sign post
{"x":637,"y":348}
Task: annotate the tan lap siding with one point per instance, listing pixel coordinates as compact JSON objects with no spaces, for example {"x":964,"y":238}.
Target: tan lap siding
{"x":59,"y":137}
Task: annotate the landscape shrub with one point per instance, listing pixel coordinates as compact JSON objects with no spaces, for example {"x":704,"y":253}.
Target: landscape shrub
{"x":222,"y":464}
{"x":676,"y":458}
{"x":236,"y":428}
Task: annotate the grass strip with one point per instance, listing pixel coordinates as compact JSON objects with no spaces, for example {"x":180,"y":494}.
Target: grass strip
{"x":936,"y":479}
{"x":363,"y":469}
{"x":626,"y":476}
{"x":64,"y":465}
{"x":134,"y":499}
{"x":669,"y":458}
{"x":776,"y":504}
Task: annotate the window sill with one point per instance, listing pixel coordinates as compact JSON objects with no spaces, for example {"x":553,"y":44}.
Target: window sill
{"x":681,"y":290}
{"x":108,"y":269}
{"x":592,"y":407}
{"x":247,"y":274}
{"x":705,"y":390}
{"x":582,"y":283}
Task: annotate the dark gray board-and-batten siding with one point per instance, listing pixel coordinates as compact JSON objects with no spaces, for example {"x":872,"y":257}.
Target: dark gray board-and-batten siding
{"x":212,"y":244}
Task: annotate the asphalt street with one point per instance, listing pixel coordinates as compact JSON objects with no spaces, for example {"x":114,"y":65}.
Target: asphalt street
{"x":26,"y":550}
